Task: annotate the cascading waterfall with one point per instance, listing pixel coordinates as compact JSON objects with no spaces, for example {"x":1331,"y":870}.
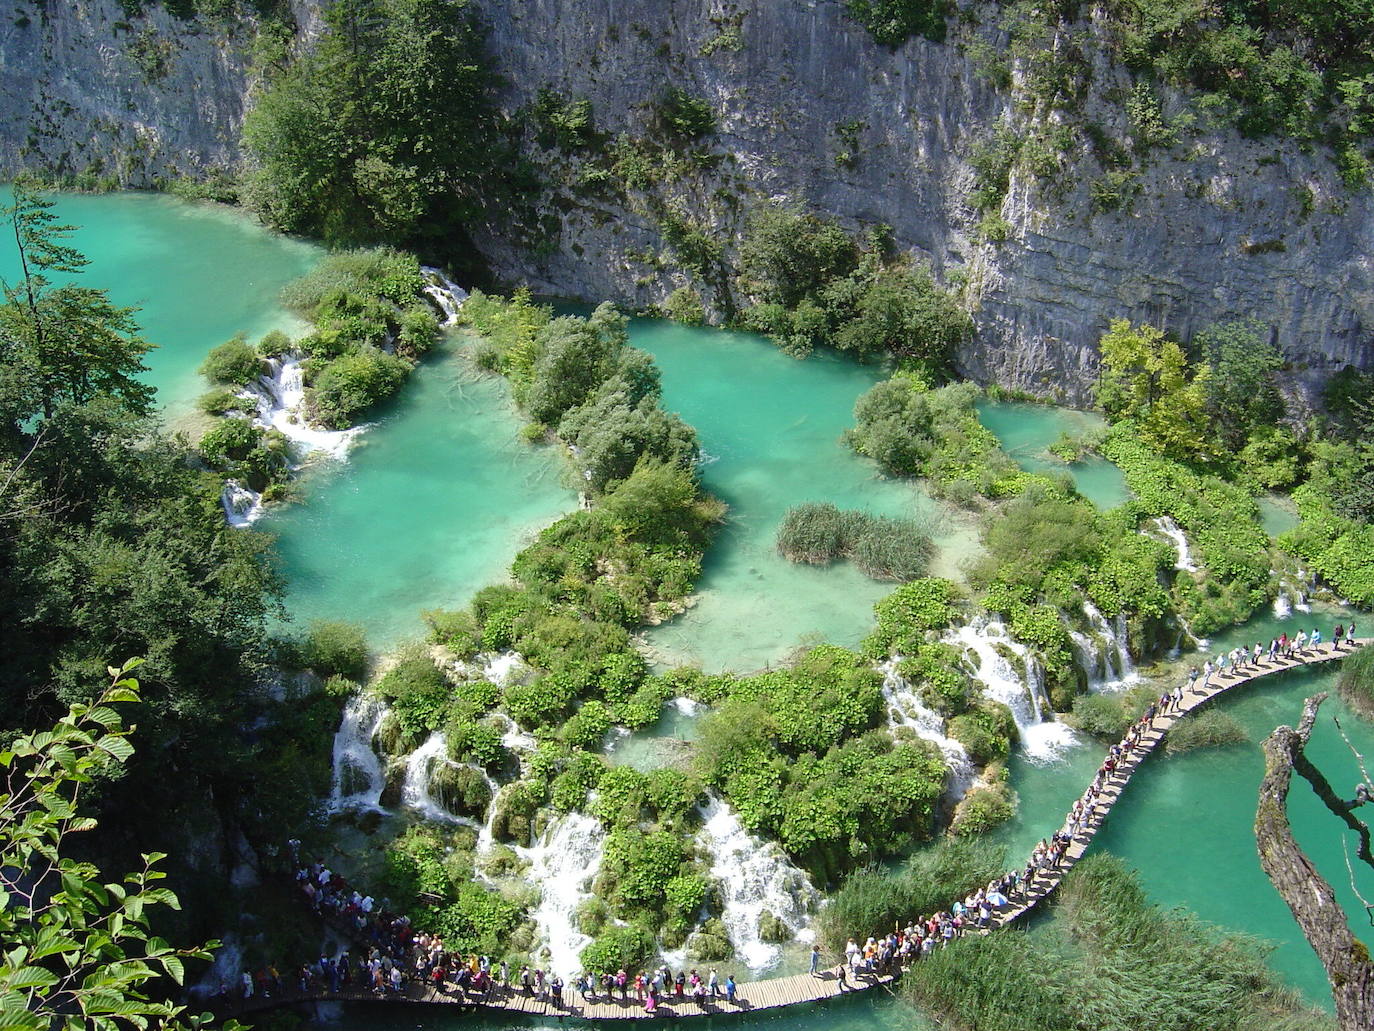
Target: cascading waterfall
{"x":988,"y":644}
{"x":905,"y":709}
{"x":242,"y":506}
{"x":358,"y":778}
{"x":1174,"y":533}
{"x":447,"y":295}
{"x":1104,"y":654}
{"x":754,"y":876}
{"x":415,"y":789}
{"x":564,"y":864}
{"x":280,"y":395}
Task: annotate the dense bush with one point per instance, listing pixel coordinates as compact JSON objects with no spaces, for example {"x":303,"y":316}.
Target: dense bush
{"x":984,"y":807}
{"x":418,"y":692}
{"x":352,"y":383}
{"x":334,"y":647}
{"x":884,"y":548}
{"x":893,"y":22}
{"x":233,"y":362}
{"x":620,"y":948}
{"x":792,"y":751}
{"x":912,"y":431}
{"x":684,"y":116}
{"x":987,"y":731}
{"x":873,"y":900}
{"x":1083,"y":970}
{"x":907,"y":616}
{"x":814,"y":286}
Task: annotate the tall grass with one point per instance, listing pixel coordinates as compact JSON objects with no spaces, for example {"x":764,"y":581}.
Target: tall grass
{"x":1205,"y":730}
{"x":884,"y":548}
{"x":1111,"y":962}
{"x":1356,"y":681}
{"x":874,"y":900}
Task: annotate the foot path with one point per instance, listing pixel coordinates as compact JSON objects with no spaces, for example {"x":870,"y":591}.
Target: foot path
{"x":777,"y":992}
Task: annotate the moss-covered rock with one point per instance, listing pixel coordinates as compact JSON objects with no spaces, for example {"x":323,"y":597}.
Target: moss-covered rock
{"x":514,"y":819}
{"x":461,"y":790}
{"x":773,"y":928}
{"x":711,"y":944}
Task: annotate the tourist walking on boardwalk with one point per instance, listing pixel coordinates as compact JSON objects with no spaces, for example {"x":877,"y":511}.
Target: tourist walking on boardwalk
{"x":730,"y":988}
{"x":1336,"y":636}
{"x":1206,"y":674}
{"x":1316,"y":639}
{"x":815,"y":959}
{"x":1300,"y":643}
{"x":1273,"y":649}
{"x":1350,"y":635}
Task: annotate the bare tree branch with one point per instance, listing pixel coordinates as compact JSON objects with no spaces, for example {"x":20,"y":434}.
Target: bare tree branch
{"x":1308,"y":895}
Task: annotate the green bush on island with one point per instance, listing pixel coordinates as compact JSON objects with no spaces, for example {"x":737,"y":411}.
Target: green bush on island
{"x":987,"y":731}
{"x":872,"y":900}
{"x":910,"y":430}
{"x":234,"y":363}
{"x":241,"y":449}
{"x":1110,"y":714}
{"x":418,"y":692}
{"x":1206,"y":729}
{"x":911,"y":612}
{"x":1335,"y":536}
{"x":814,"y":286}
{"x":352,"y":383}
{"x":792,"y":751}
{"x":986,"y":805}
{"x":883,"y":547}
{"x":336,"y":647}
{"x":1084,"y":970}
{"x":630,"y":947}
{"x":222,"y":402}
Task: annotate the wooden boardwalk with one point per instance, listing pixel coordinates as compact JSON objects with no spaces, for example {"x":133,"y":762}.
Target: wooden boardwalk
{"x":778,"y":992}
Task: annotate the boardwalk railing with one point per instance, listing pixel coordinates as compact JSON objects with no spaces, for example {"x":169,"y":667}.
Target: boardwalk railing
{"x":777,"y":992}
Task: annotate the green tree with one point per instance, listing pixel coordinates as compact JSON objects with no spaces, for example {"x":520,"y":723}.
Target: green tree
{"x":1242,"y":391}
{"x":383,"y":132}
{"x":1146,"y":377}
{"x":61,"y":344}
{"x":79,"y":953}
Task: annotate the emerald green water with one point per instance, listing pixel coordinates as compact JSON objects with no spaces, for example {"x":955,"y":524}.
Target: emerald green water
{"x":199,"y":272}
{"x":1277,"y":514}
{"x":441,"y":493}
{"x":771,"y":426}
{"x":1026,"y":432}
{"x":433,"y":504}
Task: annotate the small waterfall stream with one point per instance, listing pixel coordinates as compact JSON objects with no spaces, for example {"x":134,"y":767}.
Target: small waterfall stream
{"x":358,"y":777}
{"x":1175,"y":535}
{"x":447,"y":295}
{"x":564,"y":864}
{"x":905,"y":709}
{"x":1104,"y":653}
{"x":417,"y":789}
{"x":987,"y":644}
{"x":754,"y":876}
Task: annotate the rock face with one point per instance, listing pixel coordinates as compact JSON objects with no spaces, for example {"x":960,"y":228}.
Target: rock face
{"x":86,"y":88}
{"x":1222,"y":228}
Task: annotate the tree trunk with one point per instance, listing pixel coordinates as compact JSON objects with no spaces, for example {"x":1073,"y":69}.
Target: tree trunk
{"x":1307,"y":893}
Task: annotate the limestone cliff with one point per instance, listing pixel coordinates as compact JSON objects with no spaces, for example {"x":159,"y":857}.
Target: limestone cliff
{"x":808,"y":107}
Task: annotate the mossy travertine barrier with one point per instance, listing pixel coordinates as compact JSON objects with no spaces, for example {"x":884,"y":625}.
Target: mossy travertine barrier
{"x":777,"y":992}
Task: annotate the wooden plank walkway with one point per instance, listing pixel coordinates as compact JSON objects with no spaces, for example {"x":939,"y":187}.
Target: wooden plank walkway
{"x":778,"y":992}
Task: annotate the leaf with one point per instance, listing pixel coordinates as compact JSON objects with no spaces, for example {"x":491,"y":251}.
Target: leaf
{"x":175,"y":970}
{"x":29,"y":977}
{"x":117,"y":747}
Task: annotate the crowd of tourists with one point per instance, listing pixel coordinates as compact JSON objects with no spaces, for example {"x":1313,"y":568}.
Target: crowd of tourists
{"x":393,"y":954}
{"x":1241,"y":660}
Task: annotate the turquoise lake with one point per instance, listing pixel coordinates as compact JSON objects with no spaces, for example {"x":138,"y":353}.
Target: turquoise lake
{"x":441,"y":493}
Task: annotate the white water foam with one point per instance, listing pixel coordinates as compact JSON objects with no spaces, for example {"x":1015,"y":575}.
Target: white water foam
{"x":242,"y":506}
{"x":447,"y":295}
{"x":1106,"y":655}
{"x":415,"y":789}
{"x":1174,"y":533}
{"x":905,"y":709}
{"x":354,"y":757}
{"x":503,"y":667}
{"x":753,"y":876}
{"x":564,"y":864}
{"x":1042,"y":740}
{"x":1283,"y":607}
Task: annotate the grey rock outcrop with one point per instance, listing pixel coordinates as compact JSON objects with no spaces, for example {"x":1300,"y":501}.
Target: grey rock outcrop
{"x":1221,"y":227}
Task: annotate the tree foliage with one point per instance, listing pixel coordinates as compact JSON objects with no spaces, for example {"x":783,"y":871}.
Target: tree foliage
{"x":383,"y":131}
{"x":79,"y":951}
{"x":1147,"y":378}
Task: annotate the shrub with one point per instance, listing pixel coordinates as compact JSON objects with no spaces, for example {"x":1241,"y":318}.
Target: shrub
{"x":629,"y":948}
{"x":229,"y":441}
{"x":336,"y":647}
{"x":1356,"y":681}
{"x":1205,"y":730}
{"x":906,"y":615}
{"x":352,"y":383}
{"x":684,"y":305}
{"x":986,"y":732}
{"x":873,"y":900}
{"x":221,"y":402}
{"x":684,"y":116}
{"x":418,"y":692}
{"x":233,"y":362}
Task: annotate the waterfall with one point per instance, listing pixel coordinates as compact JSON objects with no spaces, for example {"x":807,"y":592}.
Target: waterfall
{"x":1105,"y":654}
{"x":503,"y":667}
{"x":1174,"y":533}
{"x":1283,"y":608}
{"x":358,"y":778}
{"x":988,"y":645}
{"x":415,"y":789}
{"x":447,"y":295}
{"x":242,"y":507}
{"x":753,"y":876}
{"x":905,"y":709}
{"x":280,"y":395}
{"x":564,"y":864}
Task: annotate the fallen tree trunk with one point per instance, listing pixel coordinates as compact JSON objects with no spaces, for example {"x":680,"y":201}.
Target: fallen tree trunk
{"x":1314,"y":906}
